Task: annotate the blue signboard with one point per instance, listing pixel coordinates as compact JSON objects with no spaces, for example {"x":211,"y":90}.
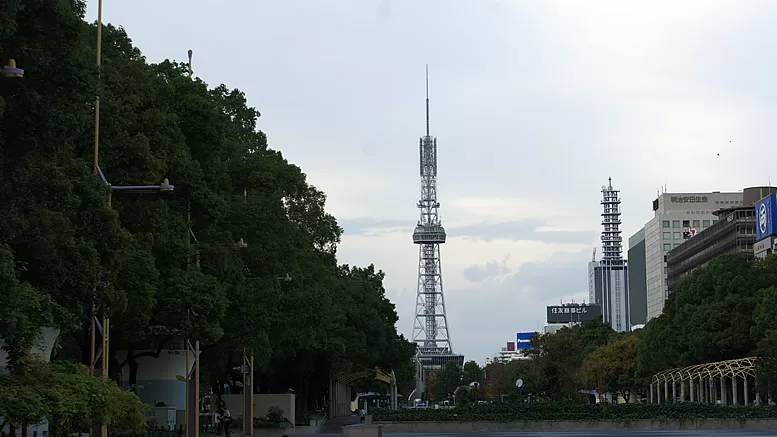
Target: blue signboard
{"x":765,"y":217}
{"x":523,"y":345}
{"x":524,"y":336}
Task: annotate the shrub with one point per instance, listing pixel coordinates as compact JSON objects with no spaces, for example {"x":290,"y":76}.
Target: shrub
{"x":275,"y":414}
{"x":555,"y":411}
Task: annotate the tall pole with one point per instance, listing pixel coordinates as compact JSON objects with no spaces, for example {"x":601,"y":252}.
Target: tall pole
{"x":93,"y":314}
{"x":197,"y":387}
{"x":106,"y":327}
{"x":196,"y":396}
{"x":246,"y":396}
{"x":187,"y":376}
{"x":92,"y":336}
{"x":97,"y":97}
{"x":251,"y":409}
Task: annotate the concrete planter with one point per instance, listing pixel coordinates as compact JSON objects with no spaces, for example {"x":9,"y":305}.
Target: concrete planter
{"x":297,"y":430}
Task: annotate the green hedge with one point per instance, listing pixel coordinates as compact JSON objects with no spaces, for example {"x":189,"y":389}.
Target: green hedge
{"x":551,"y":411}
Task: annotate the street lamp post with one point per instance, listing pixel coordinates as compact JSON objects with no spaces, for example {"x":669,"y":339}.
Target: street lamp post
{"x":11,"y":71}
{"x":10,"y":75}
{"x":247,"y":370}
{"x":104,"y":327}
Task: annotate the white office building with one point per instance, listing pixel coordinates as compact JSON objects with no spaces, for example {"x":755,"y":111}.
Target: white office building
{"x":677,"y":216}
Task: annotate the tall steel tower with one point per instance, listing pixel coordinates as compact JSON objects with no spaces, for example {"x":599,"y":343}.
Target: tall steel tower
{"x":612,"y":244}
{"x":430,"y":331}
{"x":609,"y":277}
{"x":430,"y":328}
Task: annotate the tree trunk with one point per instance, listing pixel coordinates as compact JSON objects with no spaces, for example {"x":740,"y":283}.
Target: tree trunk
{"x":24,"y":429}
{"x":133,"y":367}
{"x":306,"y":393}
{"x":83,"y":342}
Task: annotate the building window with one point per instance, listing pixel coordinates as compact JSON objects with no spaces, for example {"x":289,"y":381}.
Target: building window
{"x":666,"y":223}
{"x":667,"y":246}
{"x":686,"y":223}
{"x":676,"y":236}
{"x":675,"y":223}
{"x":705,"y":223}
{"x":667,"y":235}
{"x":696,"y":224}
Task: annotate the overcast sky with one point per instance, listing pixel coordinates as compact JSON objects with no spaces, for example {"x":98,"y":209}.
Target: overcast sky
{"x":534,"y":104}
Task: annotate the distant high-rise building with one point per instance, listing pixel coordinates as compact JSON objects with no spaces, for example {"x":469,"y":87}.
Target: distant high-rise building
{"x":637,"y":281}
{"x":677,"y":217}
{"x":608,"y":284}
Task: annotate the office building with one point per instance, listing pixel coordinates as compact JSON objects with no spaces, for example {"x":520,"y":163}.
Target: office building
{"x":637,"y":281}
{"x":608,"y":278}
{"x":674,"y":215}
{"x":734,"y":232}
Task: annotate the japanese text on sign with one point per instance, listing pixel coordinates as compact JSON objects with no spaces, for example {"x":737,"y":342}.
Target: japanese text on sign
{"x":569,"y":310}
{"x":688,"y":199}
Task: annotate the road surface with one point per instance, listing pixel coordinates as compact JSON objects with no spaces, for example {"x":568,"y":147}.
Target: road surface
{"x":624,"y":433}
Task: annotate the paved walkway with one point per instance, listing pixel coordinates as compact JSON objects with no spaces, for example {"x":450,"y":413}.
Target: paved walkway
{"x":335,"y":426}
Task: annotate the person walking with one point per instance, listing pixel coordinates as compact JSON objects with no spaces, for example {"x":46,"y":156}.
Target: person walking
{"x":225,"y":419}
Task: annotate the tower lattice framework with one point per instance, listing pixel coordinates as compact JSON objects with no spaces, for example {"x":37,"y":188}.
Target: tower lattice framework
{"x":430,"y":329}
{"x":612,"y":242}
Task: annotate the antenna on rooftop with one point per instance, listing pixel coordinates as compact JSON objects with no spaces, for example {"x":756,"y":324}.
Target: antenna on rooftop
{"x":427,"y":100}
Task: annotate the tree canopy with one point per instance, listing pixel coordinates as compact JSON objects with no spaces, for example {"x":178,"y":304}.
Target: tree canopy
{"x":725,"y":310}
{"x":163,"y":265}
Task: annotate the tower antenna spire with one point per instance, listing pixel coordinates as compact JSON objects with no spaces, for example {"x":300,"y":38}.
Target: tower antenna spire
{"x":427,"y":100}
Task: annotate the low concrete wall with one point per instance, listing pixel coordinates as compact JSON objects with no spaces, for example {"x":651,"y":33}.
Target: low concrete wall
{"x":463,"y":427}
{"x":314,"y":428}
{"x":262,"y":402}
{"x":363,"y":431}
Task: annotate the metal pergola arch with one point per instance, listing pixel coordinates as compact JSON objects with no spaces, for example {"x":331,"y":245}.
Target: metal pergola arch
{"x":737,"y":368}
{"x":378,"y":374}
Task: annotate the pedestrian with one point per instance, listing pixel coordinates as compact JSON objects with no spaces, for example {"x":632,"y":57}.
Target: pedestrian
{"x":225,"y":419}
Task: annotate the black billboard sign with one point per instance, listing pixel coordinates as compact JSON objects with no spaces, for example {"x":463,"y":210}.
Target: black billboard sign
{"x":573,"y":313}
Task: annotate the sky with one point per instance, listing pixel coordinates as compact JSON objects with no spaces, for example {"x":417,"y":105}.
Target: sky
{"x":534,"y":105}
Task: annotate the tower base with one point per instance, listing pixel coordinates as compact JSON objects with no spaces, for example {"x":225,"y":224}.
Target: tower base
{"x":432,"y":364}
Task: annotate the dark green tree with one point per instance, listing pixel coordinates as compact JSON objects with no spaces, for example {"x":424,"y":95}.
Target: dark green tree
{"x":448,"y":380}
{"x":472,"y":372}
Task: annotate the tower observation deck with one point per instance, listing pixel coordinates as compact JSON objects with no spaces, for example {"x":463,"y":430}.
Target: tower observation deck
{"x":430,"y":329}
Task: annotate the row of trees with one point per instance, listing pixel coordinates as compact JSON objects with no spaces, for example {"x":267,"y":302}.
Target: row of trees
{"x":165,"y":266}
{"x":726,"y":310}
